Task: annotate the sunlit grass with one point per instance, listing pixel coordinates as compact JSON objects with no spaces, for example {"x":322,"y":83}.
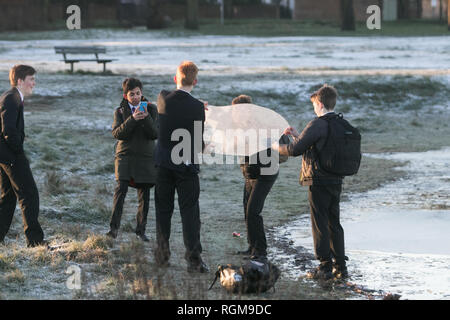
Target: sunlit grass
{"x":73,"y":167}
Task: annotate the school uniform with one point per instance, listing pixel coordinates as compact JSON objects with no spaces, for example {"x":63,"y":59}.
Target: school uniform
{"x":179,"y":110}
{"x":134,"y":164}
{"x":16,"y":179}
{"x":323,"y":194}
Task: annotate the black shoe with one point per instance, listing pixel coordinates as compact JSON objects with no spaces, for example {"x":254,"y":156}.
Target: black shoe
{"x":247,"y":252}
{"x":143,"y":237}
{"x":112,"y":233}
{"x":47,"y":245}
{"x":197,"y":267}
{"x":38,"y":244}
{"x":340,"y":271}
{"x":320,"y":273}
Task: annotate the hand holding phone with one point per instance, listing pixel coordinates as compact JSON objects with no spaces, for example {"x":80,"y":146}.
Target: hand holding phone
{"x":143,"y":106}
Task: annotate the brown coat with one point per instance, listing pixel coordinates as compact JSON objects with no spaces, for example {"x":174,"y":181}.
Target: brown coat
{"x":135,"y":145}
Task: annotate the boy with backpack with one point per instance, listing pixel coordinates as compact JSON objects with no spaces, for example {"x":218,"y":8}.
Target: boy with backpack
{"x":325,"y":139}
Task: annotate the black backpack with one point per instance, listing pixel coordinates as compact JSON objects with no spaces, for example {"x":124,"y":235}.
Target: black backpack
{"x":341,"y":153}
{"x":252,"y":277}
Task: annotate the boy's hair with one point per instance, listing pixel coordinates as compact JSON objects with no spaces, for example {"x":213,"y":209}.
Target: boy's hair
{"x":20,"y":71}
{"x":187,"y":73}
{"x":242,"y":99}
{"x":131,"y":83}
{"x":327,"y":95}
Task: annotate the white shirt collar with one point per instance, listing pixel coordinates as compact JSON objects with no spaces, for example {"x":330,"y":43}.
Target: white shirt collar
{"x":131,"y":106}
{"x":21,"y":95}
{"x":184,"y":91}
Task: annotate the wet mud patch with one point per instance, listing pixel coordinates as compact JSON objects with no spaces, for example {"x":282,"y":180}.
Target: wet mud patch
{"x":396,"y":231}
{"x":297,"y":260}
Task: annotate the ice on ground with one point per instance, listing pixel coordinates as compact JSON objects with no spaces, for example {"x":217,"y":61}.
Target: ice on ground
{"x":395,"y":238}
{"x":150,"y":52}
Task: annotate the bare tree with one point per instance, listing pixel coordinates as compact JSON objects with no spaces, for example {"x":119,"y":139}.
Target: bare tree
{"x":155,"y":18}
{"x":228,"y":8}
{"x":403,"y":9}
{"x":419,"y":9}
{"x":277,"y":3}
{"x":191,"y":14}
{"x":347,"y":15}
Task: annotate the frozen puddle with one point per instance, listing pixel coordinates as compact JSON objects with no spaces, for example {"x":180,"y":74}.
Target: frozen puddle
{"x":397,"y":237}
{"x":147,"y":52}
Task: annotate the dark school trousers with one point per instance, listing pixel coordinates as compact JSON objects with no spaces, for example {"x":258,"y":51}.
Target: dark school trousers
{"x":17,"y":184}
{"x":328,"y":234}
{"x":187,"y":186}
{"x":120,"y":193}
{"x":255,"y":193}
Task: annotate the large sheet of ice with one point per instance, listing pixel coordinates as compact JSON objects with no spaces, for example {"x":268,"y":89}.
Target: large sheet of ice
{"x":242,"y":129}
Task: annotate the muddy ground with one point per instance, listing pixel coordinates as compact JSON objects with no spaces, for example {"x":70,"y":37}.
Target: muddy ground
{"x":71,"y":151}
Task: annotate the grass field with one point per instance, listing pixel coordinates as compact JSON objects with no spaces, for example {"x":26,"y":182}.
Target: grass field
{"x":71,"y":151}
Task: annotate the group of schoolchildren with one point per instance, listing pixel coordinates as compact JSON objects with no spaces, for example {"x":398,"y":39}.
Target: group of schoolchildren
{"x":143,"y":160}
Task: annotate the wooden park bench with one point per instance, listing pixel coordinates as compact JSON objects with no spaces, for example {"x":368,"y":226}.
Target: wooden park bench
{"x":83,"y":50}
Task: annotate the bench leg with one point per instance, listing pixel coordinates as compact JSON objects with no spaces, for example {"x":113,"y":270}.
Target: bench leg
{"x":104,"y":67}
{"x":71,"y":67}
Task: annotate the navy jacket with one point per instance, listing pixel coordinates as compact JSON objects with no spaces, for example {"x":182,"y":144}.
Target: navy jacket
{"x":179,"y":110}
{"x":12,"y":127}
{"x":310,"y":141}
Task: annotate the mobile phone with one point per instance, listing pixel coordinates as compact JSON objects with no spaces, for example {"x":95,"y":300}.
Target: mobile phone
{"x":143,"y":106}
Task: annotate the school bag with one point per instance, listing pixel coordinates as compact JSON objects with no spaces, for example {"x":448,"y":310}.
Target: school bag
{"x":251,"y":277}
{"x":341,"y":153}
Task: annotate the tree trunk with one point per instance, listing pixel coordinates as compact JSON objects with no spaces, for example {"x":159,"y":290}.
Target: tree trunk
{"x":441,"y":11}
{"x":419,"y":9}
{"x":155,"y":18}
{"x":403,"y":9}
{"x":228,"y":8}
{"x":192,"y":15}
{"x":278,"y":6}
{"x":448,"y":14}
{"x":347,"y":15}
{"x":85,"y":18}
{"x":45,"y":15}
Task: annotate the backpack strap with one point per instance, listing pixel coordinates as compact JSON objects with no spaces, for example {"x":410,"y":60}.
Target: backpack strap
{"x":215,"y":279}
{"x":327,"y":118}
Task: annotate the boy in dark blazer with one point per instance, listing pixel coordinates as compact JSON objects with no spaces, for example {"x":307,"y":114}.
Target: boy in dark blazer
{"x":16,"y":179}
{"x":179,"y":111}
{"x":324,"y":187}
{"x":256,"y":189}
